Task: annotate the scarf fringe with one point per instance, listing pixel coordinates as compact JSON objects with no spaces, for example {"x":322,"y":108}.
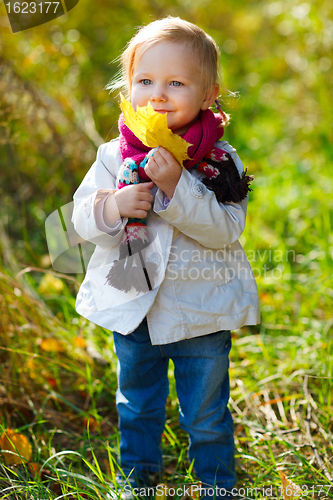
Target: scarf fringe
{"x":123,"y":275}
{"x":229,"y":186}
{"x":132,"y":269}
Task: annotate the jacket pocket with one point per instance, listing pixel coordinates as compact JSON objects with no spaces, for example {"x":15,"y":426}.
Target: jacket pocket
{"x":221,"y":274}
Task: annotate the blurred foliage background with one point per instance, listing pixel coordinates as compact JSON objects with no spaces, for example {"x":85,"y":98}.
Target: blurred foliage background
{"x":55,"y":111}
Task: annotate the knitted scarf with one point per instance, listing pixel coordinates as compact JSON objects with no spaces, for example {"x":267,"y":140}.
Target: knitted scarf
{"x":221,"y":176}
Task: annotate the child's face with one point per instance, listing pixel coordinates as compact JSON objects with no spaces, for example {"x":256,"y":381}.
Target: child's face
{"x":169,"y":77}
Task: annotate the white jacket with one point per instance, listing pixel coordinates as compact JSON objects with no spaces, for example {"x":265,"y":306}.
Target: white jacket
{"x":205,"y":281}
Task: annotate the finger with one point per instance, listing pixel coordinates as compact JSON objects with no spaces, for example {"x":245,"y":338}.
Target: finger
{"x":165,"y":154}
{"x":148,"y":185}
{"x":147,"y":197}
{"x":145,"y":192}
{"x":152,"y":172}
{"x":159,"y":159}
{"x":151,"y":166}
{"x":145,"y":187}
{"x":144,"y":205}
{"x":140,"y":214}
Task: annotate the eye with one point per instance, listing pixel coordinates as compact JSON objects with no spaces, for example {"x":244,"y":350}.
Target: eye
{"x":176,"y":84}
{"x":145,"y":81}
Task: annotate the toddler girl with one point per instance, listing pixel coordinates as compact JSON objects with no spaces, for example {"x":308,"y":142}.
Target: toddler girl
{"x":202,"y":285}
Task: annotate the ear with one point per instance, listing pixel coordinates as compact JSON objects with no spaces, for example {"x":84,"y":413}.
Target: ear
{"x":210,"y":96}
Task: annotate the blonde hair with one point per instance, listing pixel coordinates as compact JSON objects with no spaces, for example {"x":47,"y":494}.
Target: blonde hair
{"x":175,"y":30}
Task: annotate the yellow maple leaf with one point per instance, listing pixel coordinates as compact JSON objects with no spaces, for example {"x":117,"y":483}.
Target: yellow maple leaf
{"x":17,"y":444}
{"x":290,"y":489}
{"x":152,"y":129}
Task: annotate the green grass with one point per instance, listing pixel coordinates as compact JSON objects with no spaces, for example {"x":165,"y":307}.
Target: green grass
{"x":61,"y":395}
{"x":281,"y":374}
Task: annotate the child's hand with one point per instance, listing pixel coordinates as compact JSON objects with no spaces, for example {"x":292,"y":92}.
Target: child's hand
{"x":134,"y":200}
{"x":164,"y":170}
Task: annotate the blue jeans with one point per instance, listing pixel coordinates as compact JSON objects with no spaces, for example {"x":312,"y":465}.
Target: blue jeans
{"x":202,"y":383}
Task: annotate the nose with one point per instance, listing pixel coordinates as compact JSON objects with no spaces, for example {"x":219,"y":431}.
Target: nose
{"x":158,"y":94}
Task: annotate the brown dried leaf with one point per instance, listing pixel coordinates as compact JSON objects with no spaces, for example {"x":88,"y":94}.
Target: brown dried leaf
{"x":290,"y":489}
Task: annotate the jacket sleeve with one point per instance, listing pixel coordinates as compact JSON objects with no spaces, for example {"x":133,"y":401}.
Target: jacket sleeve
{"x":195,"y":211}
{"x":97,"y":184}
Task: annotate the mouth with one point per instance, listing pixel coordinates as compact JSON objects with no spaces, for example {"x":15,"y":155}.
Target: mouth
{"x":162,"y":111}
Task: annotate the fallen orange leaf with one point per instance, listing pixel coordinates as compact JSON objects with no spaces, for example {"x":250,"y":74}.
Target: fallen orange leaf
{"x":51,"y":345}
{"x":35,"y":468}
{"x":265,"y":297}
{"x":80,"y":342}
{"x":107,"y":467}
{"x":195,"y":491}
{"x":290,"y":489}
{"x":284,"y":398}
{"x":52,"y":381}
{"x":16,"y":443}
{"x":93,"y":424}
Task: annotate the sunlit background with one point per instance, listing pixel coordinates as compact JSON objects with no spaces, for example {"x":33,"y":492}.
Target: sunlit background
{"x":55,"y":111}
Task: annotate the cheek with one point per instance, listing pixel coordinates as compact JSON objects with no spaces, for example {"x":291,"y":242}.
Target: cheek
{"x":134,"y":95}
{"x":139,"y":97}
{"x":190,"y":98}
{"x":188,"y":105}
